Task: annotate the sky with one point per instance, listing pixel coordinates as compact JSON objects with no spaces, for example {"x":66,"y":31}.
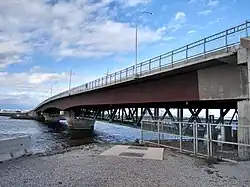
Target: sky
{"x":42,"y":40}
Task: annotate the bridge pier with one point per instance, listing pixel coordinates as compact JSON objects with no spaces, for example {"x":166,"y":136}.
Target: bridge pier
{"x":244,"y":106}
{"x":49,"y":118}
{"x":78,"y":123}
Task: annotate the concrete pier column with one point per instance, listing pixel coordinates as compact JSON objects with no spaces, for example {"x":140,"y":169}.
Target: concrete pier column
{"x":51,"y":118}
{"x":244,"y":132}
{"x":243,"y":58}
{"x":78,"y":123}
{"x":69,"y":116}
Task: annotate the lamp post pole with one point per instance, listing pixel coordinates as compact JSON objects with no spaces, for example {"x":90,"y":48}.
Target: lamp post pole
{"x":136,"y":38}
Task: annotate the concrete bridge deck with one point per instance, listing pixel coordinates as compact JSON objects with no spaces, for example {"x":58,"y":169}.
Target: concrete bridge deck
{"x":200,"y":54}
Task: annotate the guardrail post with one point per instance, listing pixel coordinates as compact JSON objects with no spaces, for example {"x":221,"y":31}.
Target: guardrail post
{"x":120,"y":75}
{"x":115,"y":77}
{"x":126,"y":73}
{"x":247,"y":28}
{"x":226,"y":41}
{"x":149,"y":66}
{"x":141,"y":69}
{"x":172,"y":58}
{"x":204,"y":48}
{"x":160,"y":62}
{"x":187,"y":54}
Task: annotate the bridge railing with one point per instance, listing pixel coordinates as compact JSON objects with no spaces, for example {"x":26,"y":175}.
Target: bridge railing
{"x":219,"y":41}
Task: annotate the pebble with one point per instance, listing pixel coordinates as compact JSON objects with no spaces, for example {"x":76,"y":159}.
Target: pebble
{"x":91,"y":169}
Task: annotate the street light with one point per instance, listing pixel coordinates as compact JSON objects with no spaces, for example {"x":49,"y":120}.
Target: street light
{"x":70,"y":75}
{"x":136,"y":36}
{"x":51,"y":87}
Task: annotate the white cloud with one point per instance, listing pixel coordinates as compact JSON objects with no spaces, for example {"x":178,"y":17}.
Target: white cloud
{"x":191,"y":31}
{"x":29,"y":88}
{"x":204,"y":12}
{"x":204,"y":3}
{"x":213,"y":3}
{"x":192,"y":1}
{"x":133,"y":3}
{"x":74,"y":28}
{"x":26,"y":89}
{"x":177,"y":22}
{"x":180,"y":16}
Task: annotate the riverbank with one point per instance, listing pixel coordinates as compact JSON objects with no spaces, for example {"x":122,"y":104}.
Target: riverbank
{"x":84,"y":166}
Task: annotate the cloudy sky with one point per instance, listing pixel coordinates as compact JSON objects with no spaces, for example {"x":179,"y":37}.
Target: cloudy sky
{"x":41,"y":40}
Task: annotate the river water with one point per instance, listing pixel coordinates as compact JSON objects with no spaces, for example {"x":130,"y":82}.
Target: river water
{"x":46,"y":138}
{"x":51,"y":139}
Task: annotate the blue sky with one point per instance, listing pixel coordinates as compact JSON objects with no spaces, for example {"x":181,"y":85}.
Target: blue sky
{"x":41,"y":40}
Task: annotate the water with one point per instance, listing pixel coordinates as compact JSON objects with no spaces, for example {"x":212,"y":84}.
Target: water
{"x":45,"y":138}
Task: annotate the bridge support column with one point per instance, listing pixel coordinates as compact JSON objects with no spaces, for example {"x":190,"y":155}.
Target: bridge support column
{"x":244,"y":129}
{"x":243,"y":56}
{"x":78,"y":123}
{"x":49,"y":118}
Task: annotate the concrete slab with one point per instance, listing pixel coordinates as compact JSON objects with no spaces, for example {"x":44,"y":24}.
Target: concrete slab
{"x":12,"y":148}
{"x":135,"y":152}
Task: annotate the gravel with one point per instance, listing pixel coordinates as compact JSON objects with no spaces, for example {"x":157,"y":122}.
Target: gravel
{"x":85,"y":167}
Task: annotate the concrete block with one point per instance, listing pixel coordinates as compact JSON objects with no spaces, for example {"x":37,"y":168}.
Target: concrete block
{"x":242,"y":56}
{"x":12,"y":148}
{"x":245,"y":42}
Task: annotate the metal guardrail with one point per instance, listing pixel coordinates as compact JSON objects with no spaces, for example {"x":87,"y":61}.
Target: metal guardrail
{"x":203,"y":139}
{"x":221,"y":40}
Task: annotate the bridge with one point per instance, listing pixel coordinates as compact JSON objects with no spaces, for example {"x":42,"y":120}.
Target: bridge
{"x":211,"y":73}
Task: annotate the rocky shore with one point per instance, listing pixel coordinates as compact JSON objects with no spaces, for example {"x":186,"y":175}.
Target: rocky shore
{"x":84,"y":166}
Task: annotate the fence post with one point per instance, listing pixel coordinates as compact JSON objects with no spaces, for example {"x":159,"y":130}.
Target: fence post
{"x":141,"y":139}
{"x":158,"y":129}
{"x":180,"y":135}
{"x":162,"y":130}
{"x":210,"y":140}
{"x":194,"y":138}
